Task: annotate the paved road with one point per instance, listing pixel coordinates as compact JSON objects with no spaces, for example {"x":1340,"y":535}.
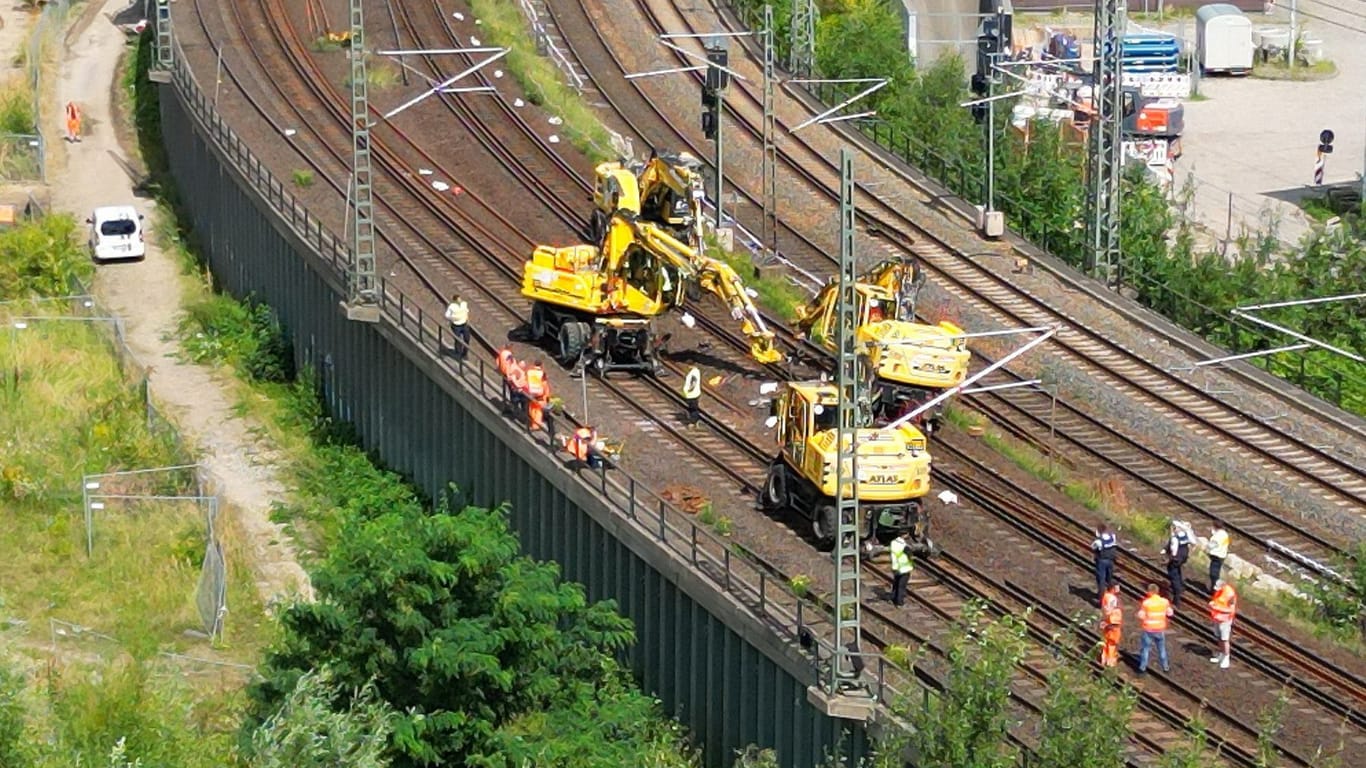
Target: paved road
{"x":1257,"y":138}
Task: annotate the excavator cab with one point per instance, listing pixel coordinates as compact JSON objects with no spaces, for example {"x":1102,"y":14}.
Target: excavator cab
{"x":893,"y":468}
{"x":665,"y":191}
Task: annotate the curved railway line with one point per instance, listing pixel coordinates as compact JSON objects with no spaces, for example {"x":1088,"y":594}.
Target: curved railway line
{"x":479,"y":257}
{"x":1336,"y":478}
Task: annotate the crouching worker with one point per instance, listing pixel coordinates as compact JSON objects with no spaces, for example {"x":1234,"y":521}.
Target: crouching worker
{"x":585,"y":447}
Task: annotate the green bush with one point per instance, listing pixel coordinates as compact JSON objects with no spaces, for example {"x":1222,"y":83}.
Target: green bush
{"x":43,"y":258}
{"x":1342,"y":605}
{"x":244,"y":335}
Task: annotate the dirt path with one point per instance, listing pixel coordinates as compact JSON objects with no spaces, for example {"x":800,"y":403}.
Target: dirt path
{"x":148,"y":296}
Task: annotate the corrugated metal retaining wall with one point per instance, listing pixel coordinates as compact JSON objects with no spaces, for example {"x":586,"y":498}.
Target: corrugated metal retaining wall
{"x":697,"y":649}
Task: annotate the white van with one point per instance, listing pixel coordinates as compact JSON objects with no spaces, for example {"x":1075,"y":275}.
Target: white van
{"x":116,"y":234}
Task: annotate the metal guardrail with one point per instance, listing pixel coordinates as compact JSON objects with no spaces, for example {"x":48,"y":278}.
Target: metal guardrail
{"x":757,"y":586}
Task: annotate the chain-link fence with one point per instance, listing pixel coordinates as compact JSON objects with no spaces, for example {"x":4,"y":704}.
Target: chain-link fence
{"x":23,"y":143}
{"x":1226,"y":216}
{"x":154,"y":507}
{"x":171,"y":505}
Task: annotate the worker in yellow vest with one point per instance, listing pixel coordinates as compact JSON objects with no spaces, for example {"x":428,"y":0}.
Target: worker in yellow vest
{"x":1111,"y":623}
{"x":1217,"y":549}
{"x":692,"y":395}
{"x":1153,"y":615}
{"x":1222,"y":608}
{"x":901,"y":569}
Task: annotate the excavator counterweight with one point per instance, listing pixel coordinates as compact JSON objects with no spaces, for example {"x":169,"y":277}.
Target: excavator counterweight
{"x":908,"y":362}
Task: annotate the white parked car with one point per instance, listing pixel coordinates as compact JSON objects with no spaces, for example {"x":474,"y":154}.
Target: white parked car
{"x":116,"y":234}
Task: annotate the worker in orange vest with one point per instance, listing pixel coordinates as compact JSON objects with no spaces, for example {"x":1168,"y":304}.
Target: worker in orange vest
{"x":1222,"y":608}
{"x":538,"y":395}
{"x":1153,"y":615}
{"x":73,"y":122}
{"x":504,"y":362}
{"x":1111,"y":621}
{"x":517,"y":384}
{"x":583,"y":445}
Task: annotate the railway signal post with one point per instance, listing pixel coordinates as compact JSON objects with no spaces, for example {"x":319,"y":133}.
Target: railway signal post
{"x":713,"y":90}
{"x":1320,"y":157}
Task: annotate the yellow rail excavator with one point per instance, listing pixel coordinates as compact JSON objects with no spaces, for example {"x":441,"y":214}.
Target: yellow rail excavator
{"x":597,"y":301}
{"x":665,"y":191}
{"x":893,"y":469}
{"x":908,"y":362}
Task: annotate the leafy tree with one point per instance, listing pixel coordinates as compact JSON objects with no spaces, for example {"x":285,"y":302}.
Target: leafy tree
{"x":864,"y":39}
{"x":966,"y":725}
{"x":612,"y":724}
{"x":42,"y":258}
{"x":310,"y":730}
{"x":753,"y":757}
{"x":1085,"y":721}
{"x":460,"y":633}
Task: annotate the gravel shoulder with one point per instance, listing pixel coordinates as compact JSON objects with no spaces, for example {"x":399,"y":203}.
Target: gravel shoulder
{"x":149,"y":297}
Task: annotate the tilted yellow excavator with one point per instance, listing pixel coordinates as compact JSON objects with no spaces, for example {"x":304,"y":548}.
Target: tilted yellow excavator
{"x":597,"y":301}
{"x":909,"y":362}
{"x":893,"y":469}
{"x":665,"y":191}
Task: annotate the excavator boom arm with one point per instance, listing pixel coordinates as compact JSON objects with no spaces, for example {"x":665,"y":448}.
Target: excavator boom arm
{"x":716,"y":277}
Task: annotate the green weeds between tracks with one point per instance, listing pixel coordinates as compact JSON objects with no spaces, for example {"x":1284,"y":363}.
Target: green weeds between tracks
{"x":504,"y":25}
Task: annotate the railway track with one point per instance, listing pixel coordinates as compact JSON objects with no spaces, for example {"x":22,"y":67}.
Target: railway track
{"x":437,"y":264}
{"x":469,"y":274}
{"x":989,"y":293}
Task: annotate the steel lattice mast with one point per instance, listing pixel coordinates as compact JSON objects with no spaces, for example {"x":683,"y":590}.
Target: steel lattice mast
{"x":1105,"y":159}
{"x":802,"y":57}
{"x":361,"y":294}
{"x":770,"y":160}
{"x":848,"y":579}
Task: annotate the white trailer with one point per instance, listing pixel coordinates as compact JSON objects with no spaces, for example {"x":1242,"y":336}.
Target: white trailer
{"x":1223,"y":39}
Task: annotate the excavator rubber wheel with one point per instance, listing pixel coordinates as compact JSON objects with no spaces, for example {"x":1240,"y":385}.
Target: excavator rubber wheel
{"x":537,"y":322}
{"x":823,"y":526}
{"x":775,"y":488}
{"x":573,"y":338}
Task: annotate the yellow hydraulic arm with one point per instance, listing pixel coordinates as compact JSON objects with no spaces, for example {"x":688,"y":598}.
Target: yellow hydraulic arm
{"x":716,"y":277}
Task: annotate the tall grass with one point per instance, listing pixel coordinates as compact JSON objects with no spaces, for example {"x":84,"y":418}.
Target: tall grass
{"x":67,"y":410}
{"x":119,"y":715}
{"x":16,"y":107}
{"x":543,"y":83}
